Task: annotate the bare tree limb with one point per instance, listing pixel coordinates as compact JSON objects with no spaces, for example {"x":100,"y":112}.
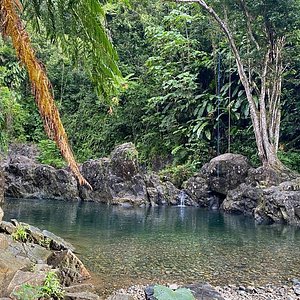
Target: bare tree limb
{"x":248,"y":22}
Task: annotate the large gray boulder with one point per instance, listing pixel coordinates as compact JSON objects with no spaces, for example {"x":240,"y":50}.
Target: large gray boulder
{"x":25,"y":178}
{"x":124,"y":161}
{"x":115,"y":180}
{"x":161,"y":193}
{"x":198,"y":190}
{"x":243,"y":200}
{"x":226,"y":172}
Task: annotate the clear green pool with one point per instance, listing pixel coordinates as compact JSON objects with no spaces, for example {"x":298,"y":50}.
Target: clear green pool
{"x":125,"y":246}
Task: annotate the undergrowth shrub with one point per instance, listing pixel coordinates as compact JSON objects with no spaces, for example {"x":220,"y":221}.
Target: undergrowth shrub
{"x":178,"y":174}
{"x":49,"y":154}
{"x":51,"y":289}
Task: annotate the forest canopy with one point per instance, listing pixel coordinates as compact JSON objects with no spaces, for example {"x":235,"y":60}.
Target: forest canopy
{"x":183,"y":100}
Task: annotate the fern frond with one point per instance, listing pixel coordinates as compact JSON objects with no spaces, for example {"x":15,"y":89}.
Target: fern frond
{"x":79,"y":27}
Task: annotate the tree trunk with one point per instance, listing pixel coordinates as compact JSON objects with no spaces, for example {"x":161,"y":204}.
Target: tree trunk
{"x":2,"y":181}
{"x":265,"y":115}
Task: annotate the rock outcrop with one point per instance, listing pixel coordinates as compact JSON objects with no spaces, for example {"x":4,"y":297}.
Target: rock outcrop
{"x":26,"y":264}
{"x":243,"y":200}
{"x":226,"y":172}
{"x":279,"y":206}
{"x":115,"y":180}
{"x":199,"y":192}
{"x":27,"y":179}
{"x":161,"y":193}
{"x":71,"y":269}
{"x":227,"y":182}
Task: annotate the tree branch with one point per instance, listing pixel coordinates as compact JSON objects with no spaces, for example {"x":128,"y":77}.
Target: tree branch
{"x":248,"y":22}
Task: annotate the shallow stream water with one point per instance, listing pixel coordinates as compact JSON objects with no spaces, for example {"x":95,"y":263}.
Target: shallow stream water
{"x":126,"y":246}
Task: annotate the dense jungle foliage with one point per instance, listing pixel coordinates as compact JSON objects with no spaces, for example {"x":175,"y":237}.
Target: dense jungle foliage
{"x":182,"y":103}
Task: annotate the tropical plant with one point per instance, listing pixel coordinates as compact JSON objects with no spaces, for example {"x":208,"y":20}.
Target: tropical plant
{"x":78,"y":26}
{"x":52,"y":286}
{"x":27,"y":292}
{"x":20,"y":234}
{"x":49,"y":154}
{"x":51,"y":289}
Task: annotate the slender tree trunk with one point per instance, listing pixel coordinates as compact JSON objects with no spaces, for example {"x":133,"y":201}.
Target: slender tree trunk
{"x":2,"y":181}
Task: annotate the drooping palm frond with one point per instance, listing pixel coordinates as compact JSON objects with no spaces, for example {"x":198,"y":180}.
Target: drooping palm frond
{"x":11,"y":26}
{"x":79,"y":27}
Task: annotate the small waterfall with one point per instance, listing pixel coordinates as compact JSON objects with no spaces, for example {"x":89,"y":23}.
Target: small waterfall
{"x":182,"y":198}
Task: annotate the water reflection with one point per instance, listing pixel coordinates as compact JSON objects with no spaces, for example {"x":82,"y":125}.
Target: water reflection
{"x":181,"y":244}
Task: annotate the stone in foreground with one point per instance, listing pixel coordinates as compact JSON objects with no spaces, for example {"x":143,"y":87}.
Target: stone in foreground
{"x":71,"y":268}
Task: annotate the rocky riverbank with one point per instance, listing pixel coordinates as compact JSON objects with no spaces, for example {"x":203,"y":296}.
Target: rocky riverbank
{"x":208,"y":292}
{"x":37,"y":264}
{"x":227,"y":182}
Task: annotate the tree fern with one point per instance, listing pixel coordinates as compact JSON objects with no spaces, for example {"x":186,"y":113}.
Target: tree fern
{"x":78,"y":26}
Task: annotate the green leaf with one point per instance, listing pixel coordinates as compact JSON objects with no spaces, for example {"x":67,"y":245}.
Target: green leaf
{"x":164,"y":293}
{"x":207,"y":134}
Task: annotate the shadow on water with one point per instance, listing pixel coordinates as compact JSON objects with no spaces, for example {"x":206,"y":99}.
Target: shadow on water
{"x":124,"y":246}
